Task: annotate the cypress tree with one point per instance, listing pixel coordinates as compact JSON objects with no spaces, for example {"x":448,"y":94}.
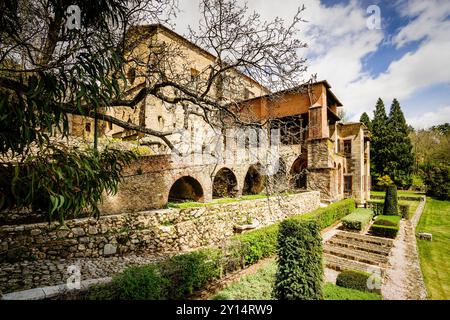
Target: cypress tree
{"x":379,"y":145}
{"x":400,"y":159}
{"x":366,"y":120}
{"x":300,"y":269}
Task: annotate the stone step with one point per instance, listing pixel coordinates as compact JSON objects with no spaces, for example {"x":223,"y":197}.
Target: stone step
{"x":360,"y":245}
{"x":356,"y":255}
{"x":341,"y":264}
{"x":365,"y":238}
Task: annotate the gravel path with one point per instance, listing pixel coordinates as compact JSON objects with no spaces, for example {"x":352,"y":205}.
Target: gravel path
{"x":404,"y":280}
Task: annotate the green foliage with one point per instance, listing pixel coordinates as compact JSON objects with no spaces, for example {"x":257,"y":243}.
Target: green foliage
{"x":191,"y":271}
{"x":135,"y":283}
{"x":300,"y":269}
{"x":384,"y":181}
{"x":405,"y":210}
{"x":261,"y":243}
{"x":358,"y":219}
{"x":60,"y":182}
{"x":400,"y":159}
{"x":437,"y":179}
{"x":376,"y":206}
{"x":353,"y":279}
{"x":259,"y":286}
{"x":257,"y":244}
{"x":391,"y":201}
{"x":379,"y":147}
{"x":334,"y":292}
{"x":384,"y":231}
{"x":174,"y":278}
{"x":393,"y":221}
{"x":366,"y":120}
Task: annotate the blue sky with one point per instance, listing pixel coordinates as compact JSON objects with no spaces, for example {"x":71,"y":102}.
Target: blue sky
{"x":407,"y":58}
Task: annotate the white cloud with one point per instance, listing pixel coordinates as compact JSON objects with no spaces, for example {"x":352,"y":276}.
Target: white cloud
{"x":338,"y":40}
{"x":428,"y":119}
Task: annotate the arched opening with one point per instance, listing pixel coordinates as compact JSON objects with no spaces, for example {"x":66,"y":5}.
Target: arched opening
{"x":186,"y":189}
{"x":254,"y":182}
{"x":299,"y":173}
{"x":224,"y":184}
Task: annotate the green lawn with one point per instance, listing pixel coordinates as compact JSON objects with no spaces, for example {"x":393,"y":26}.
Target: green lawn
{"x":400,"y":193}
{"x":435,"y":255}
{"x":193,"y":204}
{"x":258,"y":286}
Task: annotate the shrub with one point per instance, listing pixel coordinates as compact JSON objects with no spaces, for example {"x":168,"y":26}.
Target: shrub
{"x":384,"y":231}
{"x":257,"y":244}
{"x":300,"y":271}
{"x":135,"y":283}
{"x":358,"y":219}
{"x":437,"y":180}
{"x":384,"y":181}
{"x":189,"y":272}
{"x":391,"y":201}
{"x":353,"y":279}
{"x":174,"y":278}
{"x":393,"y":221}
{"x":404,"y":210}
{"x":376,"y":206}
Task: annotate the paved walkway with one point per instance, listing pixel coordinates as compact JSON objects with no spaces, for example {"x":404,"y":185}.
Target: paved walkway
{"x":404,"y":280}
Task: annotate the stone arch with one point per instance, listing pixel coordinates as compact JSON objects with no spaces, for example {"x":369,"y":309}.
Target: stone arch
{"x":254,"y":181}
{"x":299,"y":177}
{"x":186,"y":188}
{"x":224,"y":184}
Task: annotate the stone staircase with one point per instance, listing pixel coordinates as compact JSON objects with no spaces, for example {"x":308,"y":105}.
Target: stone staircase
{"x":348,"y":250}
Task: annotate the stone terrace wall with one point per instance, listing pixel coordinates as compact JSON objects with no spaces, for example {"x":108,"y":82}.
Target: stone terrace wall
{"x":149,"y":232}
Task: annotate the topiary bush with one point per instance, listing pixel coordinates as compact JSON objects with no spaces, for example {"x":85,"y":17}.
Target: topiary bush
{"x":353,"y":279}
{"x":384,"y":231}
{"x":358,"y":219}
{"x":391,"y":201}
{"x":300,"y":270}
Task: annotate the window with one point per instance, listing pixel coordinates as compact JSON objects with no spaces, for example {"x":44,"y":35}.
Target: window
{"x":88,"y":127}
{"x":347,"y":146}
{"x":347,"y":184}
{"x":110,"y":125}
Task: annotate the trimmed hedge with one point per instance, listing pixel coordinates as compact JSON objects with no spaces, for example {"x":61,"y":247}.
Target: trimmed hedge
{"x":393,"y":221}
{"x":261,"y":243}
{"x":300,"y":270}
{"x":353,"y":279}
{"x":384,"y":231}
{"x":358,"y":219}
{"x":376,"y":206}
{"x":404,"y":210}
{"x":174,"y":278}
{"x":391,"y":201}
{"x":386,"y":226}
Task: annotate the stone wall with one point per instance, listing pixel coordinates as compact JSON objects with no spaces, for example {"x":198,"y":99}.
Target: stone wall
{"x":149,"y":232}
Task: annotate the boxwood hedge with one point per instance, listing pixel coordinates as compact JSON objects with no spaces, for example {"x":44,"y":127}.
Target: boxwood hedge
{"x":358,"y":219}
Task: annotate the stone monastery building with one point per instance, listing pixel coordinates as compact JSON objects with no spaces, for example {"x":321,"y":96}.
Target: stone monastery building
{"x":298,"y":129}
